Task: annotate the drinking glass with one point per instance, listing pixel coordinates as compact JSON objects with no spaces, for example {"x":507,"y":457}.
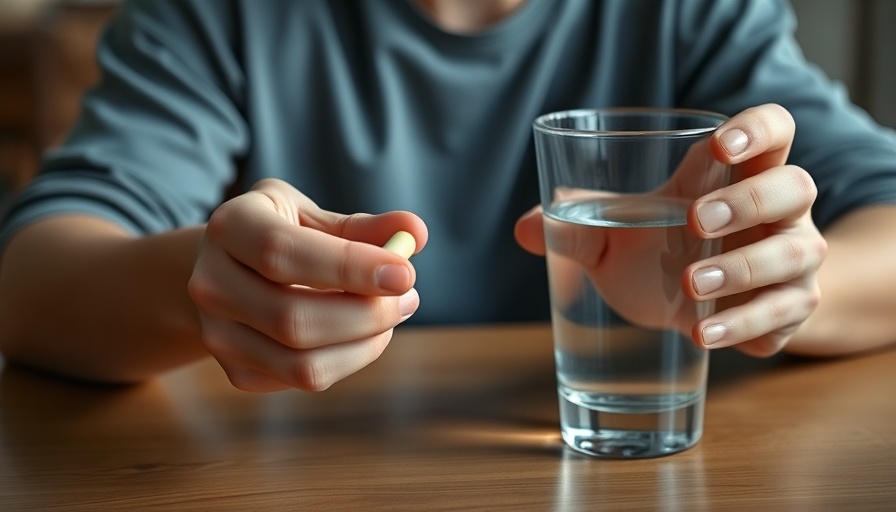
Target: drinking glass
{"x":616,"y":188}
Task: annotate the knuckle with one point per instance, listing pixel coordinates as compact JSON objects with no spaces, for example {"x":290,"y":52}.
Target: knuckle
{"x":820,"y":249}
{"x":350,"y":222}
{"x":223,"y":217}
{"x":206,"y":294}
{"x":782,"y":116}
{"x":310,"y":374}
{"x":215,"y":226}
{"x":742,"y":273}
{"x":345,"y":263}
{"x":217,"y":222}
{"x":382,"y":313}
{"x":779,"y":312}
{"x":755,"y":205}
{"x":771,"y":121}
{"x":271,"y":253}
{"x":265,"y":183}
{"x":294,"y":327}
{"x":803,"y":184}
{"x":343,"y":267}
{"x":769,"y":125}
{"x":813,"y":298}
{"x":795,"y":257}
{"x":804,"y":253}
{"x":200,"y":290}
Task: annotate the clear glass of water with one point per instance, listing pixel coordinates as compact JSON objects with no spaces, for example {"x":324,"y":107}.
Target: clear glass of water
{"x":616,"y":189}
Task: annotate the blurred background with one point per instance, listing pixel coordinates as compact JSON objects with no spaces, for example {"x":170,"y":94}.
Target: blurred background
{"x":46,"y":62}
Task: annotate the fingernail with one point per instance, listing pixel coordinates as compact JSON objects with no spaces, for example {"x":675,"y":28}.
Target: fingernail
{"x":707,"y":280}
{"x":408,"y":303}
{"x":713,"y":215}
{"x":734,"y":141}
{"x":393,"y":278}
{"x":714,"y":333}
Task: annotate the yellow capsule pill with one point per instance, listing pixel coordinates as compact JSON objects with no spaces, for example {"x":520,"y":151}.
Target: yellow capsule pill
{"x":402,"y":243}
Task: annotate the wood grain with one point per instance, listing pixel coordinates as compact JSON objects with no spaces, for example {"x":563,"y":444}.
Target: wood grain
{"x":447,"y":419}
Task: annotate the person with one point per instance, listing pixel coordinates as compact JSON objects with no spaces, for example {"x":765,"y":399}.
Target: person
{"x":230,"y":182}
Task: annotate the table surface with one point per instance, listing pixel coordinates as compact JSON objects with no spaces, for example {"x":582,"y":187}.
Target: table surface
{"x":461,"y":418}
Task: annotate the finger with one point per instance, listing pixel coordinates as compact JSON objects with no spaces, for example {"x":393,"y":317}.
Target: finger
{"x":777,"y":259}
{"x":297,"y":209}
{"x":579,"y":243}
{"x":783,"y":193}
{"x":248,"y":356}
{"x":697,"y":173}
{"x":529,"y":231}
{"x":371,"y":229}
{"x":769,"y":319}
{"x":310,"y":318}
{"x":317,"y":259}
{"x":285,"y":253}
{"x":297,"y":316}
{"x":756,"y":139}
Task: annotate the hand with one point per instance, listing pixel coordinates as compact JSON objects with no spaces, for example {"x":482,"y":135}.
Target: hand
{"x":290,"y":295}
{"x":765,"y":280}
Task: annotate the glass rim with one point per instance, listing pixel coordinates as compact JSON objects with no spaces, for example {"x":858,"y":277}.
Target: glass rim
{"x":541,"y":123}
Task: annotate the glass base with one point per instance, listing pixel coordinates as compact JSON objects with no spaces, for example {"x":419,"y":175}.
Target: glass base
{"x":630,"y":433}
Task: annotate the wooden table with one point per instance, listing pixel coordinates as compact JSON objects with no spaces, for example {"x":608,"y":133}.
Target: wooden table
{"x":447,"y":419}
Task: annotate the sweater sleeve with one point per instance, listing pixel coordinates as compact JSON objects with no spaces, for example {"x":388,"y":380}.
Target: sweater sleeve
{"x":157,"y":140}
{"x":738,"y":54}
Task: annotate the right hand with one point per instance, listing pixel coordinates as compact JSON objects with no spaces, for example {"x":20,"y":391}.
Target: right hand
{"x":290,"y":295}
{"x":767,"y":273}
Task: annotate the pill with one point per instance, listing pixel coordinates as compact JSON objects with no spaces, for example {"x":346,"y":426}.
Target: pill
{"x":402,"y":243}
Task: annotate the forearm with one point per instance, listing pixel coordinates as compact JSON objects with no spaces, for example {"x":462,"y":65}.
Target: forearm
{"x":80,"y":297}
{"x":858,"y":288}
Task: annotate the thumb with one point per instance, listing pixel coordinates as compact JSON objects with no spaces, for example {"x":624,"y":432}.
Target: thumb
{"x":298,"y":209}
{"x":529,"y":231}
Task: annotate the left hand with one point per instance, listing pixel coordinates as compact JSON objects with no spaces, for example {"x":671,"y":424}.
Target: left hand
{"x":765,"y":281}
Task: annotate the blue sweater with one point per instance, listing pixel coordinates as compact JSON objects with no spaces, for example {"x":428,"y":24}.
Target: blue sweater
{"x":366,"y":106}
